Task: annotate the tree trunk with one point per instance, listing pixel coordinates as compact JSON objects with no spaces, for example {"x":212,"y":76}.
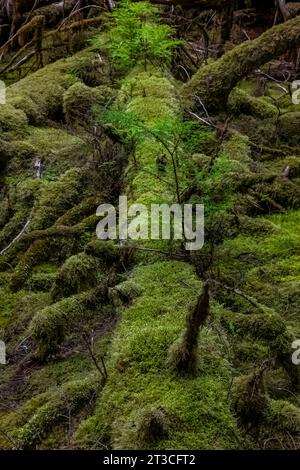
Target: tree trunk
{"x":214,"y":82}
{"x":226,"y":26}
{"x":281,"y":5}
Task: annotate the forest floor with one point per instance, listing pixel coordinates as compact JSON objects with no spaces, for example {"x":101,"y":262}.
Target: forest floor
{"x":93,"y":329}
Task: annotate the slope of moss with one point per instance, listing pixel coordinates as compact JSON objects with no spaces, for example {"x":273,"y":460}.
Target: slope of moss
{"x":139,"y":379}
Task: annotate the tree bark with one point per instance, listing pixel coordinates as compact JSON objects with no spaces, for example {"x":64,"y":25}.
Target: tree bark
{"x":281,"y":5}
{"x":183,"y":355}
{"x":226,"y":26}
{"x":214,"y":82}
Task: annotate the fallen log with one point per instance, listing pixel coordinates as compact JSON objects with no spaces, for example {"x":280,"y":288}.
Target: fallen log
{"x":214,"y":82}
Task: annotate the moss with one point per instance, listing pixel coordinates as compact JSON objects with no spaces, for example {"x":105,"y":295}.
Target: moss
{"x":12,"y":121}
{"x":39,"y":101}
{"x":142,"y":87}
{"x":289,"y":127}
{"x":85,"y":208}
{"x":21,"y":154}
{"x":283,"y":192}
{"x":249,"y":397}
{"x":138,"y":378}
{"x":278,"y":383}
{"x":37,"y":252}
{"x":283,"y":416}
{"x":17,"y":309}
{"x":42,"y":277}
{"x":153,"y":425}
{"x":268,"y":326}
{"x":137,"y":370}
{"x":215,"y":81}
{"x":7,"y":300}
{"x":40,"y":95}
{"x":107,"y":251}
{"x":240,"y":102}
{"x":13,"y":227}
{"x":124,"y":293}
{"x":243,"y":251}
{"x":13,"y":420}
{"x":79,"y":272}
{"x":40,"y":282}
{"x":183,"y":355}
{"x":50,"y":326}
{"x":80,"y":102}
{"x":59,"y":151}
{"x":144,"y":404}
{"x":69,"y":397}
{"x":87,"y":433}
{"x":57,"y":197}
{"x":283,"y":351}
{"x":255,"y":226}
{"x":56,"y":374}
{"x":249,"y":352}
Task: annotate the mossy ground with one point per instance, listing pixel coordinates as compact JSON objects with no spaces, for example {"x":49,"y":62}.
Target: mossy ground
{"x":140,"y":379}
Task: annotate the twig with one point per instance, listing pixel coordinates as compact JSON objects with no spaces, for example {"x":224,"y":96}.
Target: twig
{"x":205,"y":121}
{"x":16,"y":238}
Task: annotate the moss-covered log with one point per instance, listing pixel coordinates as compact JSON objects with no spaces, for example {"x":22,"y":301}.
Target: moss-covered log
{"x":214,"y":82}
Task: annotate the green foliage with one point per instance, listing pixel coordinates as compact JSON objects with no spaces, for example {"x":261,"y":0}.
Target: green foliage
{"x":176,"y":138}
{"x":137,"y":36}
